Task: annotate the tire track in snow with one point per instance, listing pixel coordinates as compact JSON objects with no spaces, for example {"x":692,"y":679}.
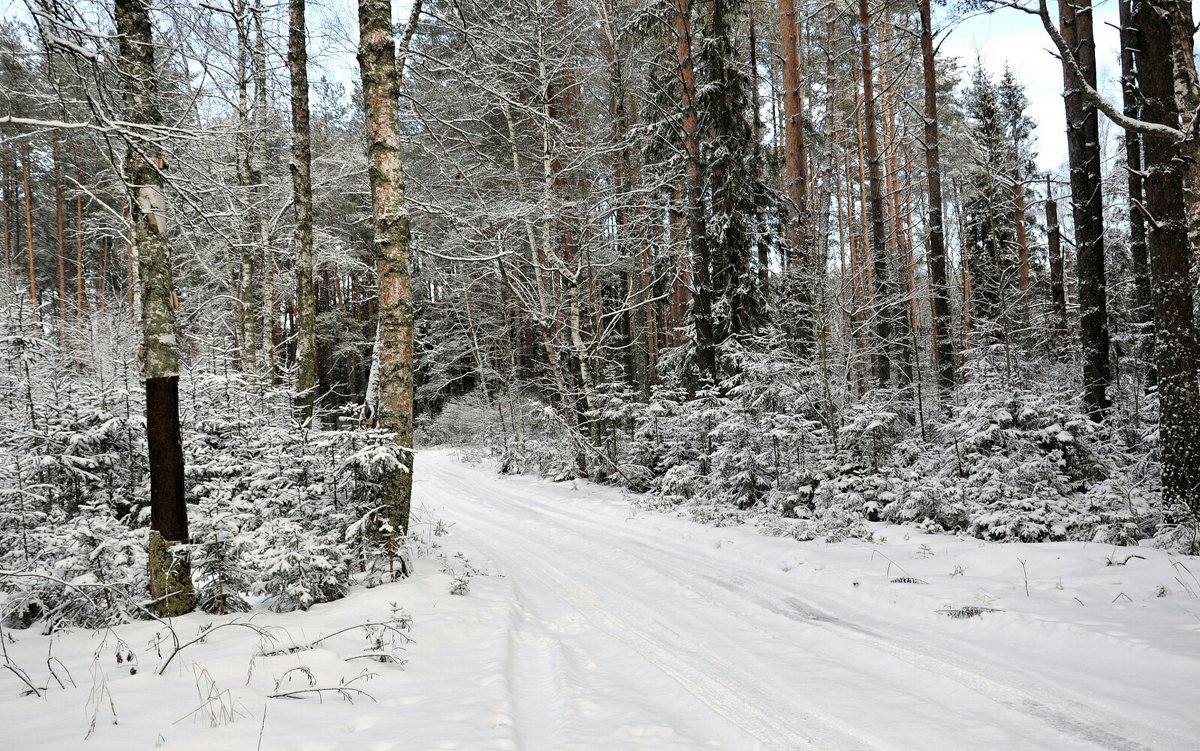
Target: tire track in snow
{"x":721,"y":685}
{"x":710,"y":679}
{"x":1082,"y":720}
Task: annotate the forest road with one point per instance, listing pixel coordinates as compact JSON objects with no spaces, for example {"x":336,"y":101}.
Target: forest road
{"x":635,"y":630}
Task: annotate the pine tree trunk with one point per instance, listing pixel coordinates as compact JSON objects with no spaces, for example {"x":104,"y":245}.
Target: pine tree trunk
{"x":170,"y":574}
{"x":701,"y":313}
{"x":797,"y":219}
{"x":80,"y":294}
{"x":59,"y":235}
{"x":8,"y":190}
{"x":1083,"y":150}
{"x":1022,"y":243}
{"x":381,"y":91}
{"x":1058,"y":293}
{"x":1142,"y":310}
{"x":881,"y":287}
{"x":33,"y":290}
{"x":936,"y":251}
{"x":301,"y":169}
{"x":1176,"y":351}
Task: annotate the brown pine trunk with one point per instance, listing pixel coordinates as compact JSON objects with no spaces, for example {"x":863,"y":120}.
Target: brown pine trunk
{"x":1131,"y":99}
{"x":1022,"y":244}
{"x":1083,"y":150}
{"x":80,"y":295}
{"x":939,"y":288}
{"x":797,"y":229}
{"x":8,"y":190}
{"x":1176,"y":351}
{"x":701,"y":298}
{"x":1058,"y":293}
{"x":33,"y":293}
{"x":59,"y":238}
{"x":882,"y":291}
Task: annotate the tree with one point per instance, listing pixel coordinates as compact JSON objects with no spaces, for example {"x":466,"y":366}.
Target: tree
{"x":301,"y":168}
{"x":884,"y":287}
{"x":1175,"y":346}
{"x":170,"y":574}
{"x":942,"y":342}
{"x":381,"y":78}
{"x":1083,"y":151}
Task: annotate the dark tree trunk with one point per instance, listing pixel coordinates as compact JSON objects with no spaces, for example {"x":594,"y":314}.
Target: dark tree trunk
{"x":1142,"y":311}
{"x":939,"y":288}
{"x":883,"y":291}
{"x":1058,"y":292}
{"x":1176,"y":352}
{"x":701,"y":313}
{"x":1083,"y":150}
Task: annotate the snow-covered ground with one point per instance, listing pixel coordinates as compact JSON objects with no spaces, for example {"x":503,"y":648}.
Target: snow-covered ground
{"x":602,"y":627}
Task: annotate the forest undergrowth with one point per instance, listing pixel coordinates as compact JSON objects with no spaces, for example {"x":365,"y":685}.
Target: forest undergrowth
{"x":1012,"y":458}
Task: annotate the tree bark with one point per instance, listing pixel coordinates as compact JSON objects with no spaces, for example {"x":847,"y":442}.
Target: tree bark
{"x":381,"y":91}
{"x":59,"y":235}
{"x":1176,"y":351}
{"x":1131,"y":99}
{"x":701,"y":313}
{"x":33,"y":290}
{"x":170,"y":574}
{"x":1083,"y":150}
{"x":936,"y":251}
{"x":1058,"y":293}
{"x":881,"y":287}
{"x":797,"y":219}
{"x":301,"y":169}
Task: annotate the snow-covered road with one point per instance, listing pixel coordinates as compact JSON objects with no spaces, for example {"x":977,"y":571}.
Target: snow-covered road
{"x":629,"y":630}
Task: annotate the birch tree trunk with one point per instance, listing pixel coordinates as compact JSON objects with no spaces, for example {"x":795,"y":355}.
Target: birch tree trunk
{"x":301,"y":169}
{"x":170,"y":574}
{"x":381,"y":90}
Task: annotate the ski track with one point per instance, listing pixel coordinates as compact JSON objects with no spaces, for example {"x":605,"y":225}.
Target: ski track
{"x":726,"y":655}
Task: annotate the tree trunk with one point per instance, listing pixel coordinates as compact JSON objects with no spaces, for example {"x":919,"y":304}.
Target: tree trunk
{"x":381,"y":91}
{"x":1142,"y":310}
{"x":936,"y":251}
{"x":1058,"y":290}
{"x":301,"y":168}
{"x":1176,"y":352}
{"x":59,"y":235}
{"x":881,"y":287}
{"x":797,"y":219}
{"x":1083,"y":150}
{"x":701,"y":314}
{"x":170,"y":574}
{"x":80,"y":295}
{"x":268,"y":312}
{"x":248,"y":237}
{"x":33,"y":292}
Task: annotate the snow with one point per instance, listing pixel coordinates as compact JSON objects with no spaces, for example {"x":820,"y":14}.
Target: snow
{"x":603,"y":626}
